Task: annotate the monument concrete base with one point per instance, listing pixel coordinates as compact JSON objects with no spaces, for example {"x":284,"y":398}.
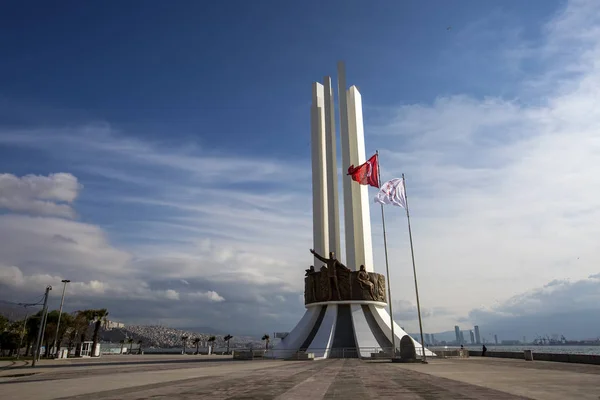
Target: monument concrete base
{"x":346,"y":329}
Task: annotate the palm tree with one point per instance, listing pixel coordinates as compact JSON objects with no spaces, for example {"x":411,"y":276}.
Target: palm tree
{"x":49,"y":331}
{"x":184,"y":339}
{"x":130,"y":341}
{"x":227,"y":339}
{"x":266,"y":338}
{"x":140,"y":346}
{"x":66,"y":326}
{"x":32,"y":325}
{"x":99,"y":316}
{"x":196,"y":341}
{"x":212,"y":343}
{"x":80,"y":327}
{"x":122,"y":341}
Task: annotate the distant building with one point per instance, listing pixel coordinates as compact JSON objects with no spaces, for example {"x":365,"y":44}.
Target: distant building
{"x":457,"y":333}
{"x":477,"y":337}
{"x":427,"y":339}
{"x":108,"y":325}
{"x":462,"y":337}
{"x":432,"y":339}
{"x":472,"y":337}
{"x":496,"y":338}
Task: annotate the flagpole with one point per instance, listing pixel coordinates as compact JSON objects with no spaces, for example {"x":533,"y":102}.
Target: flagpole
{"x":387,"y":265}
{"x":412,"y":253}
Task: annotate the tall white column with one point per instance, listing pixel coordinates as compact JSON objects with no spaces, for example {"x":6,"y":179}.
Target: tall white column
{"x":346,"y":181}
{"x":359,"y":249}
{"x":332,"y":172}
{"x":319,"y":173}
{"x":361,"y":215}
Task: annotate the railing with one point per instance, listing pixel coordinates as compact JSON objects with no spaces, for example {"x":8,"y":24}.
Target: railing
{"x":445,"y":352}
{"x":364,"y":353}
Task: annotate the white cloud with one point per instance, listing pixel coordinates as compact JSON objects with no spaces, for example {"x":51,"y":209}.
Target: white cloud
{"x":210,"y":296}
{"x":44,"y":244}
{"x":554,"y":297}
{"x":406,"y":311}
{"x":503,"y":192}
{"x":104,"y":144}
{"x":171,"y":294}
{"x":13,"y":276}
{"x":44,"y":195}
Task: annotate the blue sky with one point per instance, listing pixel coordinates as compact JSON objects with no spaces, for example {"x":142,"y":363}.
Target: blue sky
{"x":182,"y":133}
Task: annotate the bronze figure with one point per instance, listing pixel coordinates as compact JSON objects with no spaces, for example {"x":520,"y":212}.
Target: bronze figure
{"x":365,"y":281}
{"x":333,"y":265}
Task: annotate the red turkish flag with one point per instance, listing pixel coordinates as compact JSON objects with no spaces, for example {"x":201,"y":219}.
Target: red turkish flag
{"x":367,"y":173}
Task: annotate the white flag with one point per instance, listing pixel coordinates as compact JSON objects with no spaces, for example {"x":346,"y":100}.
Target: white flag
{"x":392,"y":192}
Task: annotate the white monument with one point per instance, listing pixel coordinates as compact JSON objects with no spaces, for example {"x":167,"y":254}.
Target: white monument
{"x":335,"y":326}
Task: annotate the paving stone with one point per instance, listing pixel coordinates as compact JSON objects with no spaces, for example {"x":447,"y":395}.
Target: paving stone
{"x":185,"y":378}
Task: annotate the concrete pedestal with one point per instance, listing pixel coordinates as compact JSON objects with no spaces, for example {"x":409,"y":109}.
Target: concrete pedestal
{"x":346,"y":329}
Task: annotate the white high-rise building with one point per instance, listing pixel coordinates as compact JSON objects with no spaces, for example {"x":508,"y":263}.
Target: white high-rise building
{"x":457,"y":334}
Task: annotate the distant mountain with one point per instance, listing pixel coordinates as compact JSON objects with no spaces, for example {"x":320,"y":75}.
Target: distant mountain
{"x":204,"y":329}
{"x":165,"y":337}
{"x":217,"y":331}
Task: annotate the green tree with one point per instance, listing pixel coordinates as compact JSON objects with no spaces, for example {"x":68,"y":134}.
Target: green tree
{"x":99,"y":316}
{"x":50,"y":331}
{"x":80,"y":325}
{"x":130,"y":341}
{"x":66,"y":323}
{"x":227,"y":339}
{"x":66,"y":326}
{"x":122,"y":341}
{"x":32,"y":326}
{"x":267,"y":339}
{"x":140,"y":342}
{"x":211,"y":340}
{"x":19,"y":328}
{"x":9,"y":342}
{"x":4,"y":323}
{"x":184,"y":339}
{"x":196,"y":341}
{"x":16,"y":327}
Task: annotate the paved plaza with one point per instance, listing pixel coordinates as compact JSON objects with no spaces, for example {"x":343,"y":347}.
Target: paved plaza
{"x":214,"y":377}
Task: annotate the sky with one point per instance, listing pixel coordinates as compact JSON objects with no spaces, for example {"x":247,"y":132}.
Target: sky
{"x":158,"y":156}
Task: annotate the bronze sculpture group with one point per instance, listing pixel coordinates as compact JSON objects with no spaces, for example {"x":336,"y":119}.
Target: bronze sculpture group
{"x":336,"y":282}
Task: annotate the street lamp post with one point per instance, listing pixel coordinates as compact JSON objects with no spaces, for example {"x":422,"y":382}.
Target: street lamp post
{"x":62,"y":300}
